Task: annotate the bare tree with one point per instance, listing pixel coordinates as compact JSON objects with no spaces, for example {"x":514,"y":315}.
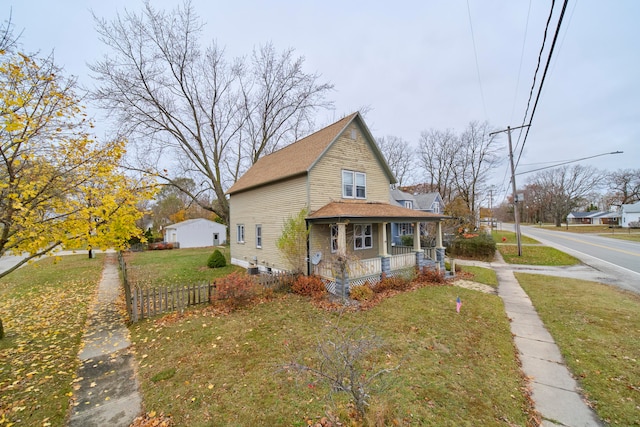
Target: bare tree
{"x":476,"y":156}
{"x":458,"y":166}
{"x":624,"y":186}
{"x":8,"y":42}
{"x":399,"y":157}
{"x":175,"y":100}
{"x":563,"y":189}
{"x":437,"y":153}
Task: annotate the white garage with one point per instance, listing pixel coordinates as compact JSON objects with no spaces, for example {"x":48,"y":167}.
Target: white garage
{"x":196,"y":233}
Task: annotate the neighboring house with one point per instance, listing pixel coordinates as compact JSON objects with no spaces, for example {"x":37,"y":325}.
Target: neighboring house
{"x":630,"y":213}
{"x":428,"y":202}
{"x":594,"y":218}
{"x":196,"y":233}
{"x":340,"y":176}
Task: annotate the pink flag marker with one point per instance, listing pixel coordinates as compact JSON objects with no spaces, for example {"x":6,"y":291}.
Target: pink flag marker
{"x":458,"y":305}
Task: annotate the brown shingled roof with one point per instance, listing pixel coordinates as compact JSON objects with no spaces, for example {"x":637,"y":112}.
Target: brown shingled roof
{"x":292,"y":160}
{"x":369,"y":211}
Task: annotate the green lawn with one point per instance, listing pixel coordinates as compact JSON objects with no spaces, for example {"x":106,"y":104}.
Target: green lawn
{"x":483,"y":275}
{"x":454,"y":369}
{"x":511,"y":238}
{"x":536,"y":255}
{"x":597,"y":328}
{"x":624,"y":236}
{"x":578,"y":228}
{"x":174,"y":266}
{"x":43,"y":308}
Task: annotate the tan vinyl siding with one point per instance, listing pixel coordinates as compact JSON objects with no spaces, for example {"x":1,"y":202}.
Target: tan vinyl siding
{"x":268,"y":206}
{"x":325,"y":178}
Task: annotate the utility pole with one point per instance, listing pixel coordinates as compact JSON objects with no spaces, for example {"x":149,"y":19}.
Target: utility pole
{"x":515,"y":195}
{"x":513,"y":186}
{"x":491,"y":210}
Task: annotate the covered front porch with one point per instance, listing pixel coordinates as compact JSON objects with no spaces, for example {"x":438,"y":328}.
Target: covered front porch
{"x":350,"y":244}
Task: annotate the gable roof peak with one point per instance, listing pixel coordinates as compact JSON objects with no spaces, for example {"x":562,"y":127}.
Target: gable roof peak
{"x":298,"y":158}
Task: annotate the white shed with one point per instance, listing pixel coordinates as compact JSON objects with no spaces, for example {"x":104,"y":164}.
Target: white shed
{"x":196,"y":233}
{"x":630,"y":213}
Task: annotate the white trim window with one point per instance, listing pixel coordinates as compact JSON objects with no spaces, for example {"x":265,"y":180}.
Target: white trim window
{"x":259,"y":236}
{"x":362,"y":236}
{"x":354,"y":185}
{"x":240,"y":233}
{"x":405,"y":229}
{"x":408,"y":204}
{"x":334,"y":239}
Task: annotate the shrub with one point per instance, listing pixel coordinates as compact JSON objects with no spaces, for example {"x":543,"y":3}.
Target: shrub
{"x":235,"y":290}
{"x":634,"y":224}
{"x":216,"y":260}
{"x":310,"y":286}
{"x":361,"y":293}
{"x":478,"y":247}
{"x":395,"y":283}
{"x":430,"y":275}
{"x":406,"y":240}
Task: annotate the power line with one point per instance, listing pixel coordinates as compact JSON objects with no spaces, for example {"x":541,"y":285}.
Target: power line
{"x":475,"y":54}
{"x":524,"y":40}
{"x":570,"y":161}
{"x":535,"y":74}
{"x":544,"y":75}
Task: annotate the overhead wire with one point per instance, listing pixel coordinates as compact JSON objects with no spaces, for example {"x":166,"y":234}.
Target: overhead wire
{"x":524,"y":42}
{"x":535,"y":74}
{"x":544,"y":75}
{"x":475,"y":53}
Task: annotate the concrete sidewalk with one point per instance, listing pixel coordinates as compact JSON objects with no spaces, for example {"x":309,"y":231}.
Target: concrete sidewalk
{"x":554,"y":390}
{"x":106,"y":388}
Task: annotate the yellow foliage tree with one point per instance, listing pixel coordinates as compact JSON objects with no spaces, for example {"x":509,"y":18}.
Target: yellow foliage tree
{"x":58,"y":186}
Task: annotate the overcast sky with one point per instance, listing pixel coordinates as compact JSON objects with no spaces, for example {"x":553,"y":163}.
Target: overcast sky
{"x":413,"y":63}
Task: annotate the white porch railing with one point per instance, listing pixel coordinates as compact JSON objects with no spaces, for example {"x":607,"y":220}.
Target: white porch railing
{"x":365,"y":267}
{"x":356,"y":268}
{"x":398,"y":262}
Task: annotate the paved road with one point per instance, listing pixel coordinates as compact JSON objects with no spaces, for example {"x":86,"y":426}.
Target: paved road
{"x":617,"y":259}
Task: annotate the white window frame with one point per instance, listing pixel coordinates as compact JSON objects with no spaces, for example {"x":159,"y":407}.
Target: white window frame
{"x":259,"y":236}
{"x":354,"y":185}
{"x":240,"y":233}
{"x":333,"y":233}
{"x":408,"y":204}
{"x":405,"y":229}
{"x":362,"y":236}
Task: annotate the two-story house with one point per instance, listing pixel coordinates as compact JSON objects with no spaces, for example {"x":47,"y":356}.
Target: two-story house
{"x":425,"y":202}
{"x":340,"y":176}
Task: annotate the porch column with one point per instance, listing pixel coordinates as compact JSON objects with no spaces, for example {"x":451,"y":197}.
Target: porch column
{"x":439,"y":247}
{"x":342,"y":278}
{"x":416,"y":246}
{"x":382,"y":239}
{"x":385,"y":261}
{"x":342,"y":238}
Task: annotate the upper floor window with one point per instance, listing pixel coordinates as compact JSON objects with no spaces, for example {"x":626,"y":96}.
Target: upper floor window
{"x":408,"y":204}
{"x":436,"y":207}
{"x":354,"y":185}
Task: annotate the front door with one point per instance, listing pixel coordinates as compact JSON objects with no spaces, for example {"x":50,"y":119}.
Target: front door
{"x":216,"y":239}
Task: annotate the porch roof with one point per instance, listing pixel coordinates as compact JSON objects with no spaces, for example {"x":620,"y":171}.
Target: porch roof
{"x":357,"y":211}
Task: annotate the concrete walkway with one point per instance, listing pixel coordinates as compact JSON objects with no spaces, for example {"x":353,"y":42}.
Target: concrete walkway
{"x":554,"y":390}
{"x":106,"y":388}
